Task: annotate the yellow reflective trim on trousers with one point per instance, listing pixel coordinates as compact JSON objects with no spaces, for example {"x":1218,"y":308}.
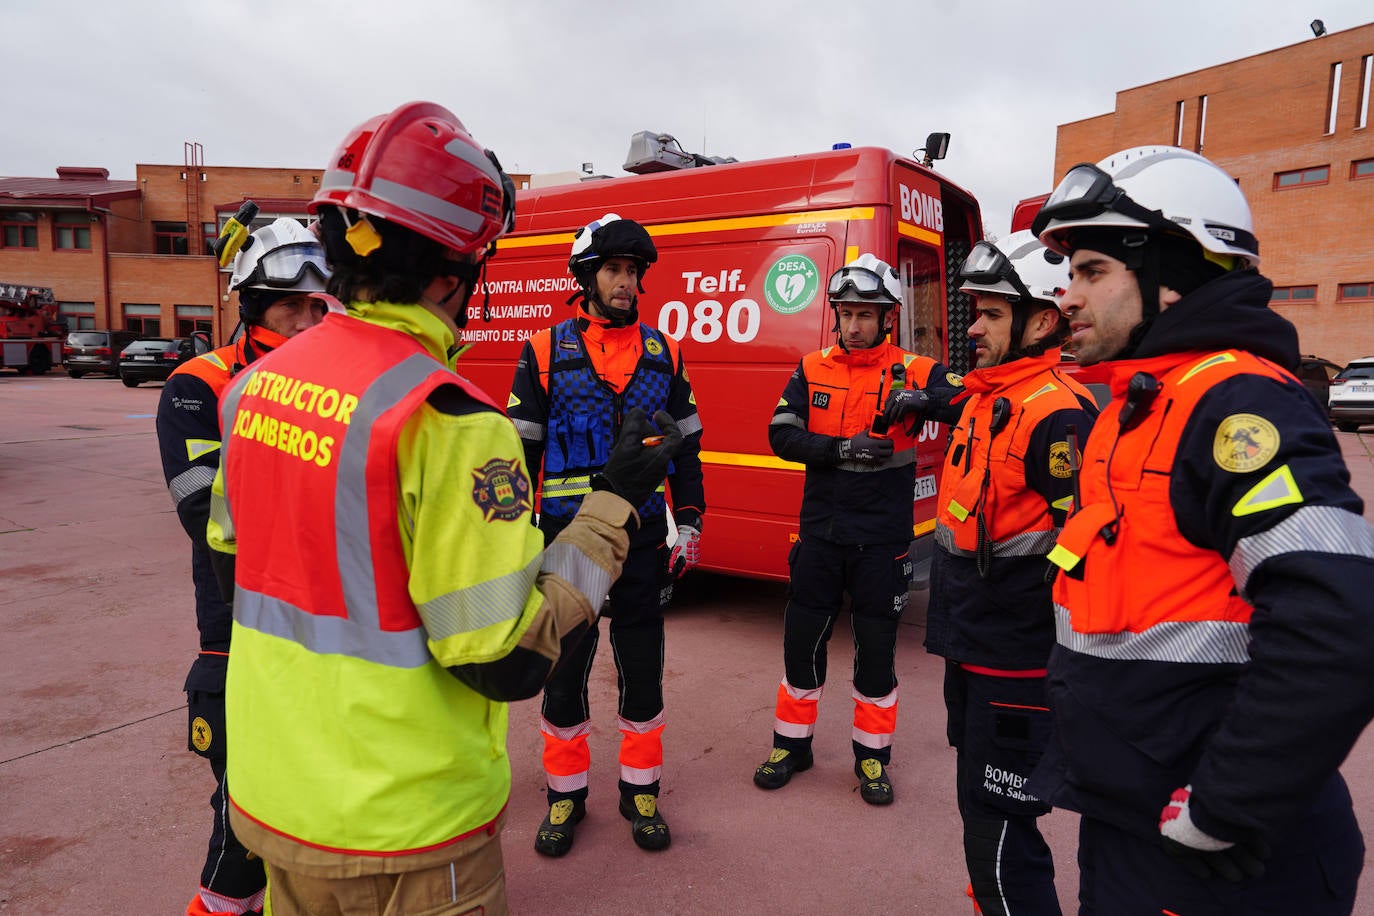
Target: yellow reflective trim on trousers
{"x":844,"y":214}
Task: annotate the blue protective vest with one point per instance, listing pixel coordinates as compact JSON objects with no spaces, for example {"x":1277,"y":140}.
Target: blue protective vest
{"x":585,"y":414}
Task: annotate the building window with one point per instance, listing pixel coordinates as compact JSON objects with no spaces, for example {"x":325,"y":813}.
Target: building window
{"x":169,"y":238}
{"x":192,"y":318}
{"x":1201,"y":122}
{"x":1293,"y":294}
{"x":1179,"y":112}
{"x":1355,"y":292}
{"x":1362,"y":110}
{"x":79,"y":316}
{"x":19,"y":228}
{"x":71,"y":231}
{"x":209,"y":235}
{"x":1302,"y":177}
{"x":1333,"y":98}
{"x":143,"y":319}
{"x":1362,"y":168}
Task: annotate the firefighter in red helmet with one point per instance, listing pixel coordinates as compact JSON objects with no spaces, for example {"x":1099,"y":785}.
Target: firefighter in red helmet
{"x":390,"y":594}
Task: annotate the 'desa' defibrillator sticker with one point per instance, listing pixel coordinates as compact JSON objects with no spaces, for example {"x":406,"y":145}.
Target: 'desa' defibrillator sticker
{"x":1244,"y":442}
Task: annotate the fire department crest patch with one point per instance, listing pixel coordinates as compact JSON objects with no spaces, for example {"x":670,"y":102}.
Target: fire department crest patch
{"x":653,"y":346}
{"x":500,"y":490}
{"x":1061,"y":465}
{"x":1244,"y":442}
{"x":201,"y":736}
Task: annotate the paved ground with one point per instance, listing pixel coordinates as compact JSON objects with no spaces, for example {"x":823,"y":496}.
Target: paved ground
{"x":103,"y":811}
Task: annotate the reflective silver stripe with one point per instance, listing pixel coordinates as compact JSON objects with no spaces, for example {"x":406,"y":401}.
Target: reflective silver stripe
{"x":529,"y":430}
{"x":473,"y":157}
{"x":192,"y":480}
{"x":578,"y":570}
{"x":352,"y":539}
{"x":640,"y":728}
{"x":567,"y":733}
{"x":418,"y":201}
{"x":329,"y":635}
{"x":1026,"y":544}
{"x":468,"y":609}
{"x":1195,"y":642}
{"x":690,"y":425}
{"x":787,"y":419}
{"x":220,"y":510}
{"x":1311,"y":529}
{"x":334,"y":178}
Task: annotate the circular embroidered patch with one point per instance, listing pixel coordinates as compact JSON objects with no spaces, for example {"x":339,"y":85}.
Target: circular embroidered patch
{"x":500,"y":490}
{"x":653,"y":346}
{"x":1060,"y":465}
{"x":201,"y":736}
{"x":1244,"y":442}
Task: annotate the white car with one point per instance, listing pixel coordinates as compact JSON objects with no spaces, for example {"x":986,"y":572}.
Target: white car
{"x":1350,"y":403}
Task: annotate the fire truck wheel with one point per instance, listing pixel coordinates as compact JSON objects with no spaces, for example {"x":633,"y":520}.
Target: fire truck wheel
{"x":40,"y":361}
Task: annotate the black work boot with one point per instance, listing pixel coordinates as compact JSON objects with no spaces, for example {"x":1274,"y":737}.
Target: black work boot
{"x":774,"y":772}
{"x":555,"y":836}
{"x":874,"y":785}
{"x":647,"y":825}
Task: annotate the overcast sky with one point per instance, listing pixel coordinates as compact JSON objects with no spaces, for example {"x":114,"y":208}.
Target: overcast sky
{"x":550,"y":85}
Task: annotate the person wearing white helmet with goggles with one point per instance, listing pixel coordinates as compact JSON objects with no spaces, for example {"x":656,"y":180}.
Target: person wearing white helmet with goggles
{"x":275,"y":275}
{"x":1212,"y":603}
{"x":859,"y":450}
{"x":1005,"y":491}
{"x":572,"y":385}
{"x":390,"y":594}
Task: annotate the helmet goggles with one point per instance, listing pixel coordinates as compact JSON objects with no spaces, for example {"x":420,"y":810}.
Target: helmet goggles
{"x":288,"y":267}
{"x":986,"y":265}
{"x":863,"y":282}
{"x":1088,"y":191}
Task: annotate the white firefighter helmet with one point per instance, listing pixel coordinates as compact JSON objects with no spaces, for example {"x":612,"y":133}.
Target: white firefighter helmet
{"x":1157,"y":188}
{"x":1017,"y":267}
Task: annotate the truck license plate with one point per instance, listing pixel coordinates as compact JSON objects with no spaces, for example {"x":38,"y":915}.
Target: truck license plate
{"x":925,"y":487}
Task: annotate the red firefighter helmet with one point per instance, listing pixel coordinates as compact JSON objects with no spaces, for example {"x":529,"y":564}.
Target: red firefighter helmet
{"x":418,"y":167}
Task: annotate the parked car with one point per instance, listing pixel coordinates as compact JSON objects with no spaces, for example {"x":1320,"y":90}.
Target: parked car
{"x":1351,"y":401}
{"x":94,"y":351}
{"x":1316,"y":374}
{"x":152,"y":359}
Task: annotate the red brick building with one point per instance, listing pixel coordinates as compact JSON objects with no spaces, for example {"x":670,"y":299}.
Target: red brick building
{"x":1293,"y":127}
{"x":134,"y":254}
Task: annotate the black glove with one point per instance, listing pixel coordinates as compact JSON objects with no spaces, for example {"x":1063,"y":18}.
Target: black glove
{"x":903,"y":403}
{"x":635,"y":470}
{"x":865,"y":448}
{"x":1203,"y":855}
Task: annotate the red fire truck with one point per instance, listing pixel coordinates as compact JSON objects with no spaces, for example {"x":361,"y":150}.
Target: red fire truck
{"x":30,"y":331}
{"x":745,"y":250}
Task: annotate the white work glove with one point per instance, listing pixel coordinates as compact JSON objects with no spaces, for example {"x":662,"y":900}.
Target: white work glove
{"x":1203,"y":854}
{"x":686,"y":552}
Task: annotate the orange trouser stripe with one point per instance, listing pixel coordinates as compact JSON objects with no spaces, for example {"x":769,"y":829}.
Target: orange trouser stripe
{"x":797,"y":707}
{"x":641,"y":750}
{"x":876,"y":715}
{"x":565,"y":750}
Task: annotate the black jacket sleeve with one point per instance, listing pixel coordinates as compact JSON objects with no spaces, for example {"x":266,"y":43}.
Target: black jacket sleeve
{"x":787,"y":433}
{"x":529,"y":410}
{"x":189,"y":441}
{"x":685,"y":477}
{"x":1046,"y":461}
{"x":1260,"y":479}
